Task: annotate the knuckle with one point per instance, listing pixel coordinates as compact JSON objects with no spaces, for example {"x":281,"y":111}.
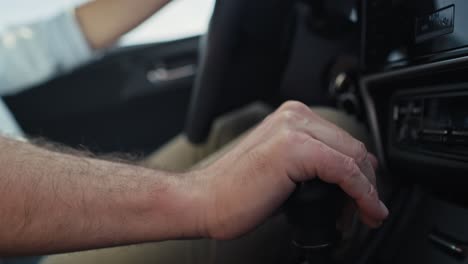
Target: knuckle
{"x":287,"y":141}
{"x":296,"y":138}
{"x":323,"y":149}
{"x":351,"y":169}
{"x":286,"y":137}
{"x":372,"y":193}
{"x":361,"y":152}
{"x":324,"y":154}
{"x":373,"y":179}
{"x":289,"y":116}
{"x":295,"y":106}
{"x":285,"y":117}
{"x":340,"y":137}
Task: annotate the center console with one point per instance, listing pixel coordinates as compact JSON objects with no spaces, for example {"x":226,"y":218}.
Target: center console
{"x":415,"y":91}
{"x":415,"y":59}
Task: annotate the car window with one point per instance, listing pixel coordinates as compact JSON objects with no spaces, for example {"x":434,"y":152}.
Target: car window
{"x":25,"y":11}
{"x":179,"y":19}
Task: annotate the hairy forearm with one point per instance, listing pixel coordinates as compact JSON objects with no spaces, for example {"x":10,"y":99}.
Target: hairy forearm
{"x":104,"y":21}
{"x":52,"y":202}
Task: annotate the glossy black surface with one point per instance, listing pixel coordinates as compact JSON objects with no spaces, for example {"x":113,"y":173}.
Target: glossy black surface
{"x":400,"y":33}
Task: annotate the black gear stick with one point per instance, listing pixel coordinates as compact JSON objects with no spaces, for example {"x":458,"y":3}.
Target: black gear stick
{"x":313,"y":211}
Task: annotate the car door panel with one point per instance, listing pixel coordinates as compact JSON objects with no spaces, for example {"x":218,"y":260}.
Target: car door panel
{"x":132,"y":99}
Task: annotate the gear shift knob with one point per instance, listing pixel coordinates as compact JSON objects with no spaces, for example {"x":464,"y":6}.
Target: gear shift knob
{"x":313,"y":211}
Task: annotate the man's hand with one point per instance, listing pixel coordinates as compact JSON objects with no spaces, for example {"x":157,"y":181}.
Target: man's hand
{"x":54,"y":202}
{"x":293,"y":145}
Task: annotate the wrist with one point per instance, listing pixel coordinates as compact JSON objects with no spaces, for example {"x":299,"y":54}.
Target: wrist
{"x":180,"y":204}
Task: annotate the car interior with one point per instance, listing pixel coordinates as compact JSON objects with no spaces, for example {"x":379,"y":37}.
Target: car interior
{"x":400,"y":67}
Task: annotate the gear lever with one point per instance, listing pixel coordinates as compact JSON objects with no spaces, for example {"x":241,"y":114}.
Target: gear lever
{"x":313,"y":211}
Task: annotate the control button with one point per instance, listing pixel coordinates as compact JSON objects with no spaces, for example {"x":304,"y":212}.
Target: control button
{"x":458,"y":141}
{"x":405,"y":110}
{"x":434,"y":136}
{"x":414,"y":134}
{"x":460,"y":133}
{"x":413,"y":108}
{"x":434,"y":139}
{"x":416,"y":110}
{"x":459,"y":137}
{"x":396,"y":113}
{"x":435,"y":132}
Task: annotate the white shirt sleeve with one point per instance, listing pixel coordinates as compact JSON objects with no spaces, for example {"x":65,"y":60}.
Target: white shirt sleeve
{"x":31,"y":54}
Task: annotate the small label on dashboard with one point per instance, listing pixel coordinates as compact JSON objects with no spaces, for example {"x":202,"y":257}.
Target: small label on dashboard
{"x":436,"y":24}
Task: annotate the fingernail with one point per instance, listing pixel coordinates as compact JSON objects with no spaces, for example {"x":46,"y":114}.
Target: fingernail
{"x":384,"y":208}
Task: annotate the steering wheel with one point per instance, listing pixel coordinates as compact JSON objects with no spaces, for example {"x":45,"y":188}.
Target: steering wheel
{"x":243,"y":56}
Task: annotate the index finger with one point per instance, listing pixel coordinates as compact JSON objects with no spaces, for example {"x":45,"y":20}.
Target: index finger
{"x":319,"y":160}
